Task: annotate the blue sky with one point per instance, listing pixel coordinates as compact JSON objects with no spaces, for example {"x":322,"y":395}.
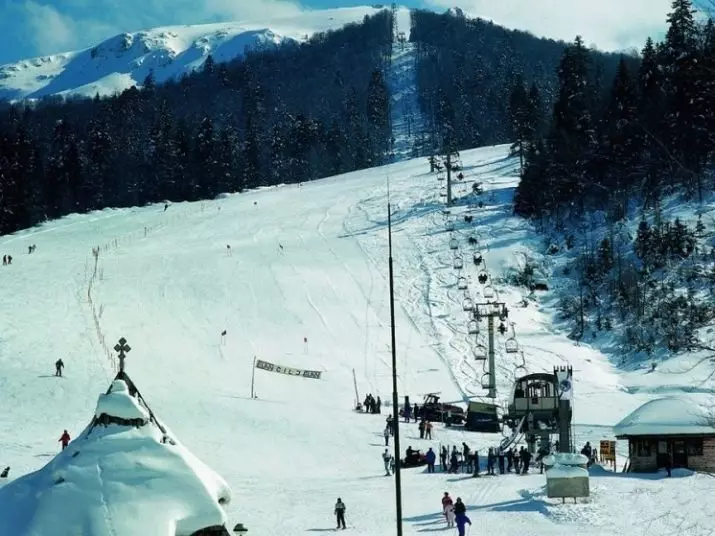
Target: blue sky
{"x":31,"y":28}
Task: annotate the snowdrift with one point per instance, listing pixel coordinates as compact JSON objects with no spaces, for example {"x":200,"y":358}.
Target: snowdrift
{"x":117,"y":479}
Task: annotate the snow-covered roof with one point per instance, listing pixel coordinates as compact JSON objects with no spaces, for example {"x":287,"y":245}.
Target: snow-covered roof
{"x":117,"y":480}
{"x":565,"y":458}
{"x":666,"y":416}
{"x":566,"y":471}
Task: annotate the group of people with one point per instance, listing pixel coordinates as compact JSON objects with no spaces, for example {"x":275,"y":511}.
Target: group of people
{"x":372,"y":404}
{"x":6,"y":259}
{"x":455,"y":513}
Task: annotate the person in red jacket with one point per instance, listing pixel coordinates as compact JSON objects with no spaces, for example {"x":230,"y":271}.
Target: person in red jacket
{"x":65,"y":439}
{"x":446,"y":501}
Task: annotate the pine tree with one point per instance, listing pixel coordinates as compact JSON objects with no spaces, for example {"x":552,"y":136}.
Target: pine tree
{"x":519,"y":113}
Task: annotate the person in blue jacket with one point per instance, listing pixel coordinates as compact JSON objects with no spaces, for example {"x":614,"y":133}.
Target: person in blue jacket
{"x":461,"y":518}
{"x":431,"y":457}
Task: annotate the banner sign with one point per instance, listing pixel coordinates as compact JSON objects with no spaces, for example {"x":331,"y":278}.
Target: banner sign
{"x":270,"y":367}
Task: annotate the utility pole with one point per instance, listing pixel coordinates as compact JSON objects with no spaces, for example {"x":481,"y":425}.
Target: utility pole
{"x":490,"y":311}
{"x":395,"y":415}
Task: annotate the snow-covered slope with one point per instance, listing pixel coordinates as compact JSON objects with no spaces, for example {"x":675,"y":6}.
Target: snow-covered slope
{"x":304,"y":285}
{"x":126,"y":60}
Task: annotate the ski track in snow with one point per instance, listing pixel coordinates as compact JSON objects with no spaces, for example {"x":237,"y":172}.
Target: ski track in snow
{"x":299,"y":445}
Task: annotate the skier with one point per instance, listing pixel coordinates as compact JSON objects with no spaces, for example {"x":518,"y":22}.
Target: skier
{"x":59,"y":365}
{"x":461,"y":516}
{"x":416,"y":411}
{"x":450,"y":515}
{"x":453,"y":461}
{"x":500,"y":457}
{"x":4,"y":260}
{"x":526,"y":457}
{"x":9,"y":259}
{"x":65,"y":439}
{"x":476,"y":463}
{"x":428,"y":430}
{"x":407,"y":411}
{"x":509,"y":460}
{"x":378,"y":404}
{"x":443,"y":458}
{"x":466,"y":455}
{"x":387,"y":435}
{"x":390,"y":424}
{"x":421,"y":427}
{"x":431,"y":457}
{"x":446,"y":501}
{"x":490,"y":462}
{"x":340,"y":513}
{"x":166,"y":205}
{"x":386,"y":459}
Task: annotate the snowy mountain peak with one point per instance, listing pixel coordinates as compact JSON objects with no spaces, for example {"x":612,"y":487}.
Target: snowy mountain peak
{"x":124,"y":475}
{"x":125,"y":60}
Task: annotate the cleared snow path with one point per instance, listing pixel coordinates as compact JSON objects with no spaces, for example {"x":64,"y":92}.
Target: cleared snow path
{"x":406,"y":115}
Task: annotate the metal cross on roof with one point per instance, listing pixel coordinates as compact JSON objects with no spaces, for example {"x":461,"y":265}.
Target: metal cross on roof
{"x":122,"y":347}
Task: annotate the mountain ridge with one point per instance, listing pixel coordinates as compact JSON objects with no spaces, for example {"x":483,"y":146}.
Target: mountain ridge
{"x":126,"y":59}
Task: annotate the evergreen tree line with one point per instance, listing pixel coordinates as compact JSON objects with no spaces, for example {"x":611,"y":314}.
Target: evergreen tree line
{"x":298,"y":113}
{"x":467,"y":72}
{"x":654,"y":291}
{"x":653,"y":133}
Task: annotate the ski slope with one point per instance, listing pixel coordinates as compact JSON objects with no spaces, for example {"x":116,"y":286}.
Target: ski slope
{"x":309,"y":262}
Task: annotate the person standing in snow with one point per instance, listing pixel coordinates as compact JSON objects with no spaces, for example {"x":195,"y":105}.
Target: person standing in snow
{"x":509,"y":460}
{"x":453,"y":461}
{"x":64,"y":439}
{"x":500,"y":458}
{"x":450,"y":515}
{"x":387,"y":435}
{"x":416,"y":411}
{"x":460,"y":512}
{"x":428,"y":430}
{"x":386,"y":459}
{"x":340,"y":513}
{"x":407,"y":412}
{"x":443,"y":458}
{"x":421,"y":427}
{"x":390,"y":424}
{"x":59,"y":365}
{"x":430,"y":456}
{"x":4,"y":260}
{"x":9,"y":259}
{"x":446,"y":501}
{"x":476,"y":463}
{"x":526,"y":458}
{"x":490,"y":461}
{"x":378,"y":404}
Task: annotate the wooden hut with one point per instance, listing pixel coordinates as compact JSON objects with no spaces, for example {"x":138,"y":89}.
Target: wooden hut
{"x":669,"y":431}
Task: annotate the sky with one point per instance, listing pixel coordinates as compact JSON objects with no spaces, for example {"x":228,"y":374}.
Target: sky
{"x":30,"y":28}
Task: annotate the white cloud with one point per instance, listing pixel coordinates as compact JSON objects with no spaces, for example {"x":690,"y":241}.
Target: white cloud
{"x":48,"y":30}
{"x":609,"y":24}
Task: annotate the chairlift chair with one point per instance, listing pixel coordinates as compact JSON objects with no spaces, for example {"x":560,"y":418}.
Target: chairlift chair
{"x":467,"y":304}
{"x":511,"y":345}
{"x":453,"y":243}
{"x":520,"y":369}
{"x":466,"y":293}
{"x":485,"y":380}
{"x":483,"y":278}
{"x":443,"y":192}
{"x":450,"y":225}
{"x":440,"y":176}
{"x":473,"y":327}
{"x":488,"y":292}
{"x":458,"y":263}
{"x":479,"y":353}
{"x":462,"y":283}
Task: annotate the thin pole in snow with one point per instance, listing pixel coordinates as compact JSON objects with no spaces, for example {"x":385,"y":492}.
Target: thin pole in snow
{"x":253,"y":377}
{"x":357,"y":396}
{"x":398,"y":481}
